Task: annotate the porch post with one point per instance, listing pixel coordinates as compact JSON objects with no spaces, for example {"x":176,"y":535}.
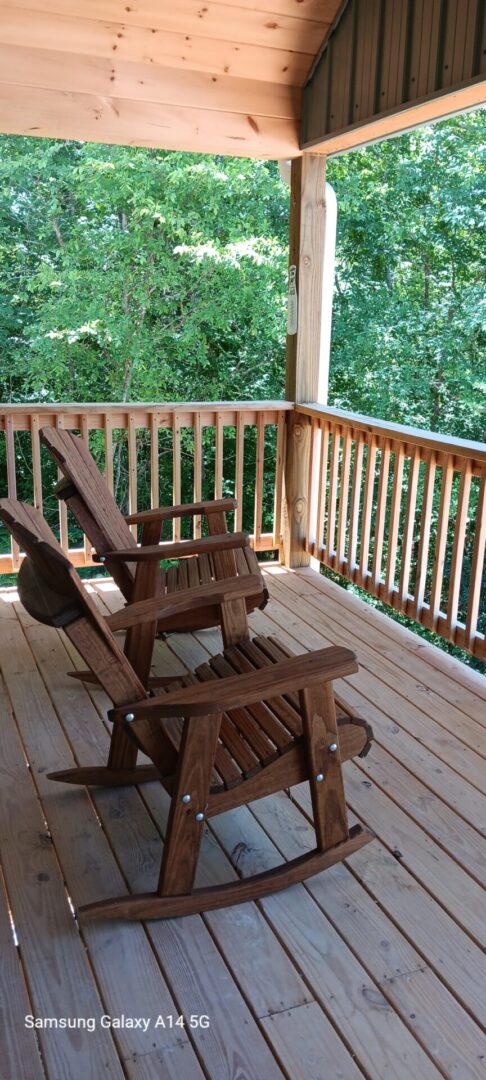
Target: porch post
{"x":307,"y":341}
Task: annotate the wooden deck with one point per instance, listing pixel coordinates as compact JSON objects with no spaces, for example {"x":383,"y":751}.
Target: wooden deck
{"x":374,"y":968}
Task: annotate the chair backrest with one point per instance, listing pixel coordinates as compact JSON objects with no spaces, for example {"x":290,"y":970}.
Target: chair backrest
{"x":52,"y":593}
{"x":88,"y":496}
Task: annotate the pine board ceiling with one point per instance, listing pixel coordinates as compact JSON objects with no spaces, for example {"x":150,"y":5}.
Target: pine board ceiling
{"x":221,"y":77}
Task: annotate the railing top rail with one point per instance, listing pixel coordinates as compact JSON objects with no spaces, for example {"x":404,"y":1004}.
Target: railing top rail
{"x":142,"y":414}
{"x":400,"y":432}
{"x":133,"y":406}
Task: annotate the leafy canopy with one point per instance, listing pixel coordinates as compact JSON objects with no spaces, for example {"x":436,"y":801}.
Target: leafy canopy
{"x":130,"y":274}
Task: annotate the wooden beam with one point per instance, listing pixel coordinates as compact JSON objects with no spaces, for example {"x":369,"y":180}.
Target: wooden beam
{"x":304,"y":341}
{"x":306,"y":254}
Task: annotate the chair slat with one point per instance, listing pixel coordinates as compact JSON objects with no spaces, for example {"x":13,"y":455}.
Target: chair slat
{"x":284,"y":708}
{"x":275,"y":729}
{"x":244,"y":721}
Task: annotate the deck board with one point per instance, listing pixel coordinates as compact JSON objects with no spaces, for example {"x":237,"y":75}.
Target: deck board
{"x":373,"y":968}
{"x":21,"y":1056}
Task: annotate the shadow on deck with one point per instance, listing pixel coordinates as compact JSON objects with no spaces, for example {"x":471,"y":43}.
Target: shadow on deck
{"x":374,"y":968}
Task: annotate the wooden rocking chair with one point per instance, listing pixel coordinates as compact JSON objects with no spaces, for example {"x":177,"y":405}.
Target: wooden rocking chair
{"x":250,"y":722}
{"x":86,"y":493}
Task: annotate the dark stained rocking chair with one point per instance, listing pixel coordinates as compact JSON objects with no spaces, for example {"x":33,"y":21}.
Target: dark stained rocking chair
{"x":86,"y":493}
{"x":250,"y":722}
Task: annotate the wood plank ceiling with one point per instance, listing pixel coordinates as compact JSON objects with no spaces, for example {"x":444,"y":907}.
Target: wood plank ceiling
{"x":222,"y":77}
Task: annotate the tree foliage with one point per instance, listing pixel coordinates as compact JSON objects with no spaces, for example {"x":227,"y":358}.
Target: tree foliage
{"x":146,"y":275}
{"x":139,"y":275}
{"x":409,"y":314}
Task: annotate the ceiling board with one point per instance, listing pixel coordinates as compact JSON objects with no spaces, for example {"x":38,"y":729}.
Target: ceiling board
{"x":134,"y":123}
{"x":94,"y":38}
{"x":145,"y":82}
{"x":321,"y":10}
{"x":218,"y":21}
{"x":215,"y":76}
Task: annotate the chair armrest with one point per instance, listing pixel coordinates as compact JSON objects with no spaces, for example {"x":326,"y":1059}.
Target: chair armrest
{"x":237,"y":691}
{"x":178,"y":550}
{"x":165,"y":607}
{"x":167,"y":513}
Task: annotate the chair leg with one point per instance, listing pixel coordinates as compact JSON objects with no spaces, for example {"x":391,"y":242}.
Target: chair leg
{"x":188,"y":806}
{"x":123,"y":750}
{"x":325,"y":770}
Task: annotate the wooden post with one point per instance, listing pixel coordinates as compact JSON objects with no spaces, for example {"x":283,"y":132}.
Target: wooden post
{"x":306,"y":341}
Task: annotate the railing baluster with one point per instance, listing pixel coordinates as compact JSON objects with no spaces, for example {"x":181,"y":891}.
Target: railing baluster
{"x":424,"y":537}
{"x":313,"y":485}
{"x":367,"y":512}
{"x":260,"y":454}
{"x":218,"y":467}
{"x":321,"y":501}
{"x":355,"y":501}
{"x":154,"y":461}
{"x":279,"y":467}
{"x":176,"y":473}
{"x":108,"y":426}
{"x":477,"y":566}
{"x":132,"y":469}
{"x":396,"y":502}
{"x":197,"y":475}
{"x":11,"y":481}
{"x":63,"y":518}
{"x":408,"y":530}
{"x":441,"y":542}
{"x":36,"y":461}
{"x":343,"y":498}
{"x":84,"y":429}
{"x":240,"y":447}
{"x":458,"y":550}
{"x":332,"y":497}
{"x":381,"y":513}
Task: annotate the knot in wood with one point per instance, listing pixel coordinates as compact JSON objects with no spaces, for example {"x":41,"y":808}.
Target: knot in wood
{"x":306,"y":260}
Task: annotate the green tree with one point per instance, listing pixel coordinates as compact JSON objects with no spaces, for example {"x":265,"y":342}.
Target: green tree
{"x":143,"y":275}
{"x":409,"y":311}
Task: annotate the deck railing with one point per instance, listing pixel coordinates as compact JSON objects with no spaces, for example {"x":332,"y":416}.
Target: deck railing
{"x":397,"y":511}
{"x":153,"y":455}
{"x":402,"y":514}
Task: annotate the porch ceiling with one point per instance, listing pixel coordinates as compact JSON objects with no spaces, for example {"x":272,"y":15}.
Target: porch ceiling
{"x":222,"y":77}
